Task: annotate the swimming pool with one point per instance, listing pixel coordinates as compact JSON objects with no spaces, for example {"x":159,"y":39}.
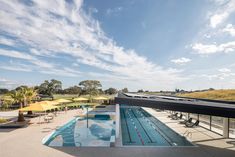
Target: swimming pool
{"x":139,"y":128}
{"x":76,"y":134}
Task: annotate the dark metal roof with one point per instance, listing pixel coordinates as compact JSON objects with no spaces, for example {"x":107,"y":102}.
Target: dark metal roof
{"x":215,"y":108}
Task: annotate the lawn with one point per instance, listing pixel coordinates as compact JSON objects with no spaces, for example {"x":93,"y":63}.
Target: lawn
{"x":228,"y":94}
{"x":65,"y":96}
{"x":71,"y":96}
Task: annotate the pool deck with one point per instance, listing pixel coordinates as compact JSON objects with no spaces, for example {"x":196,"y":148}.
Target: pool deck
{"x":27,"y":142}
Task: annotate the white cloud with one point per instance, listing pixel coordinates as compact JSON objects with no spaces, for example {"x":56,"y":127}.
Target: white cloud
{"x":214,"y":48}
{"x":221,"y":75}
{"x":226,"y":8}
{"x":6,"y":83}
{"x":115,"y":10}
{"x":217,"y":19}
{"x":15,"y":54}
{"x":181,"y":60}
{"x":15,"y":68}
{"x":229,"y":29}
{"x":224,"y":70}
{"x":6,"y":41}
{"x":53,"y":28}
{"x":37,"y":65}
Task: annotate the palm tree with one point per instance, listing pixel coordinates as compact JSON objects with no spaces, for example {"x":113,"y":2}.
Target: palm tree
{"x":23,"y":96}
{"x":30,"y":94}
{"x":18,"y":97}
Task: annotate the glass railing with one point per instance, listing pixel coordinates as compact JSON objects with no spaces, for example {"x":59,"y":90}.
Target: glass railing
{"x":232,"y":127}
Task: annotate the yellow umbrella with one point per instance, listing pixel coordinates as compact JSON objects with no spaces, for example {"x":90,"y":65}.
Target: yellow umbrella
{"x":38,"y":107}
{"x":100,"y":98}
{"x":80,"y":99}
{"x":51,"y":102}
{"x":63,"y":101}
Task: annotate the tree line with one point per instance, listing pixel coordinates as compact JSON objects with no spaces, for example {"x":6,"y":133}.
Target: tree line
{"x":53,"y":86}
{"x":23,"y":95}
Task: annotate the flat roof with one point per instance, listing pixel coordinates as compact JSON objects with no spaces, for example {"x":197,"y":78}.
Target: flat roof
{"x":190,"y":105}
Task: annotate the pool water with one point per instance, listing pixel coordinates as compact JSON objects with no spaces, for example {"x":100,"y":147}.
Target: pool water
{"x":139,"y":128}
{"x":76,"y":134}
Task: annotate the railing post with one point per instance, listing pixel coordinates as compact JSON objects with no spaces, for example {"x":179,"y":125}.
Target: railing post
{"x":225,"y":128}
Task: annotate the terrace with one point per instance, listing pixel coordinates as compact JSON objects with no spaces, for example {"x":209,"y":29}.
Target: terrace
{"x":28,"y":141}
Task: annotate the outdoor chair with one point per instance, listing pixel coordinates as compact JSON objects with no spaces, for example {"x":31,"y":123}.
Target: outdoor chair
{"x":186,"y":121}
{"x":48,"y":118}
{"x":177,"y":117}
{"x":191,"y":125}
{"x":172,"y":115}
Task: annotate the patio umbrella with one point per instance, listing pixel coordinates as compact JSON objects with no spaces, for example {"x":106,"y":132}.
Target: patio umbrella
{"x":100,"y":98}
{"x":80,"y":99}
{"x":63,"y":101}
{"x":51,"y":102}
{"x":38,"y":107}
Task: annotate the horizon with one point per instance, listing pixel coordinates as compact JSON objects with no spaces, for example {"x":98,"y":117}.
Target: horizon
{"x":149,"y":45}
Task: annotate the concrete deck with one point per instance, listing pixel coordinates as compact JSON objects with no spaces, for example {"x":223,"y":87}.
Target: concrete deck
{"x":27,"y":142}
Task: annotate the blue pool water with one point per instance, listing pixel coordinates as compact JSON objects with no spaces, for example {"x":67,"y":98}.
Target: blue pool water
{"x":75,"y":133}
{"x":139,"y":128}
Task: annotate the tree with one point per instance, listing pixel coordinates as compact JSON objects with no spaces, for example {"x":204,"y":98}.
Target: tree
{"x":50,"y":88}
{"x":100,"y":91}
{"x":23,"y":95}
{"x":90,"y":87}
{"x":177,"y":90}
{"x":110,"y":91}
{"x":3,"y":91}
{"x":21,"y":87}
{"x":30,"y":94}
{"x":211,"y":89}
{"x":140,"y":91}
{"x":125,"y":90}
{"x":72,"y":90}
{"x":18,"y":97}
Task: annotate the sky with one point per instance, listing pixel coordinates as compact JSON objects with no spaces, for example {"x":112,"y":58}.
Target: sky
{"x":140,"y":44}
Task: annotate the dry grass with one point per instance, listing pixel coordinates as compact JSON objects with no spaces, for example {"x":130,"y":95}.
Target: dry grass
{"x":228,"y":94}
{"x":3,"y":120}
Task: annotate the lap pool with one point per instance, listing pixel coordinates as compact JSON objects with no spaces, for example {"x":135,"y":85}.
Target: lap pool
{"x":139,"y":128}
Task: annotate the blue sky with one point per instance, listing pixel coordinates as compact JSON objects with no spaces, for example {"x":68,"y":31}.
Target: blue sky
{"x":139,"y":44}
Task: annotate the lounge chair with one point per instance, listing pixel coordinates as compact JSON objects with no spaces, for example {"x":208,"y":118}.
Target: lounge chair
{"x":191,"y":125}
{"x":172,"y":115}
{"x":48,"y":118}
{"x":186,"y":121}
{"x":177,"y":117}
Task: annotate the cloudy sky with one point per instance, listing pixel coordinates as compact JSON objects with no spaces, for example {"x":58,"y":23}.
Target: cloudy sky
{"x":139,"y":44}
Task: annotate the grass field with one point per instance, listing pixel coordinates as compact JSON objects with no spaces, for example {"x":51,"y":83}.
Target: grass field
{"x":70,"y":96}
{"x":228,"y":94}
